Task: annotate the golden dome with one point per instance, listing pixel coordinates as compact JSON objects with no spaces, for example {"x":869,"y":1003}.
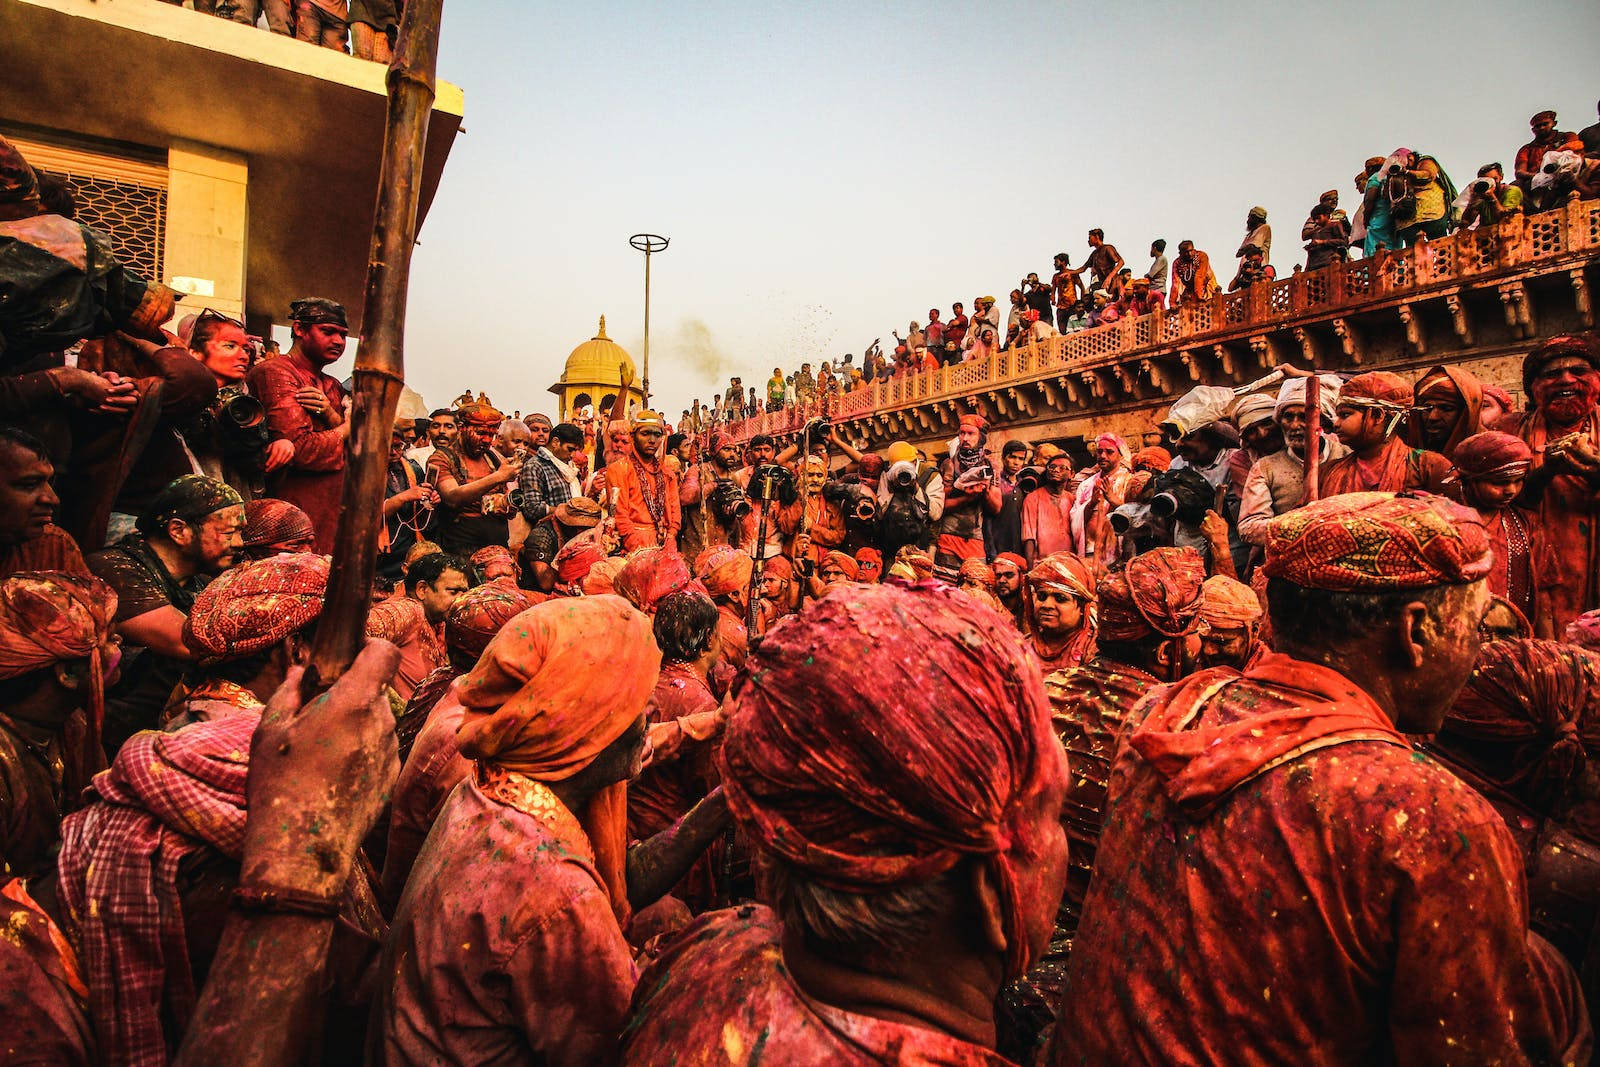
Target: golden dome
{"x":595,"y":361}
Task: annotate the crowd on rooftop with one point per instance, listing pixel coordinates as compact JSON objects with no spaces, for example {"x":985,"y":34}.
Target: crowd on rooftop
{"x":1403,"y":199}
{"x":1259,"y":739}
{"x":365,"y":29}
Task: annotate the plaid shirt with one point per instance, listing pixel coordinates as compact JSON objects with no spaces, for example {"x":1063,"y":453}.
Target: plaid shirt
{"x":540,"y":487}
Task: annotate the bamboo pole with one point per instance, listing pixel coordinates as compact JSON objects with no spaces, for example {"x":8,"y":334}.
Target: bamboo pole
{"x":1313,"y":437}
{"x":380,"y":360}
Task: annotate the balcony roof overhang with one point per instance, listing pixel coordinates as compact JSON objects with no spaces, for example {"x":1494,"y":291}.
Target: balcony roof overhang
{"x":309,"y":122}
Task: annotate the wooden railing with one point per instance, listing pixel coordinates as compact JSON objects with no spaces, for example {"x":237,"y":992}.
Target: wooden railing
{"x":1514,"y":242}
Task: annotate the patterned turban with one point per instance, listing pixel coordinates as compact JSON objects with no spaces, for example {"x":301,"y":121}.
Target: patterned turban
{"x":976,"y":570}
{"x":483,"y":557}
{"x":190,"y":498}
{"x":976,"y":421}
{"x":1378,"y":541}
{"x":397,"y":620}
{"x":602,"y":577}
{"x":721,"y":439}
{"x":1585,"y":347}
{"x":574,"y":558}
{"x":844,"y":562}
{"x":1379,"y":389}
{"x":479,"y":414}
{"x":1158,"y":592}
{"x":1492,"y":456}
{"x":1154,"y":458}
{"x":478,"y":614}
{"x":959,"y":739}
{"x":47,"y":617}
{"x":1532,"y":700}
{"x":723,"y":569}
{"x":532,"y":706}
{"x":317,"y":310}
{"x":1062,"y":572}
{"x":650,"y":574}
{"x":1227,"y":604}
{"x":1584,"y":631}
{"x":269,"y":522}
{"x":256,"y":605}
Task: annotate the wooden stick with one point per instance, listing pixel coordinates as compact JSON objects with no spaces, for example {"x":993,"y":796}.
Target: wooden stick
{"x":380,"y":360}
{"x":1313,"y":437}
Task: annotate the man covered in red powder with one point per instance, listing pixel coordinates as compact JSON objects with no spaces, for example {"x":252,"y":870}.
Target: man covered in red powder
{"x":1562,"y":426}
{"x":725,"y":571}
{"x":644,"y":490}
{"x":1336,"y":934}
{"x":1061,"y":611}
{"x":909,"y":876}
{"x":1367,"y":418}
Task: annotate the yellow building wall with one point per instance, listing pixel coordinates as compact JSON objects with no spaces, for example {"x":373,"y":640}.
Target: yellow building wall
{"x":207,"y":234}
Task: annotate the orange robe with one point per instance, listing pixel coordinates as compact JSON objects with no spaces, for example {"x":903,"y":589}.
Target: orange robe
{"x":635,"y":524}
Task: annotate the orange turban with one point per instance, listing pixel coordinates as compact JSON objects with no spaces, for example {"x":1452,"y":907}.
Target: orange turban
{"x":1227,"y":604}
{"x":603,"y":575}
{"x":845,"y":563}
{"x":532,"y":706}
{"x":47,"y":617}
{"x":480,"y":415}
{"x":724,"y":569}
{"x":649,"y":575}
{"x":1062,"y":572}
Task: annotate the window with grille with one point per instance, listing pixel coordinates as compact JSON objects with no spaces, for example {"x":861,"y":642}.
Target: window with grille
{"x":132,"y":214}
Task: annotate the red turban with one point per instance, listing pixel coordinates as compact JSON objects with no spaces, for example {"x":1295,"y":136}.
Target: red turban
{"x":477,"y":616}
{"x":720,"y":439}
{"x":845,"y":562}
{"x":256,"y":605}
{"x":779,"y":567}
{"x":493,"y":554}
{"x":602,"y":576}
{"x":1158,"y":592}
{"x":650,"y":574}
{"x":1153,"y":458}
{"x":1013,"y":560}
{"x":1064,"y":573}
{"x":1584,"y":631}
{"x":269,"y":522}
{"x":1530,"y":699}
{"x":574,"y":558}
{"x":1584,"y":347}
{"x":397,"y":620}
{"x":1378,"y":541}
{"x":477,"y":414}
{"x":47,"y":617}
{"x":723,"y":569}
{"x":1378,"y":388}
{"x":976,"y":421}
{"x":532,"y":706}
{"x":863,"y":788}
{"x":1492,"y":456}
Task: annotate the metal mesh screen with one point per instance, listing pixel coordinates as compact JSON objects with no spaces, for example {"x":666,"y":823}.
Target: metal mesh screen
{"x":134,"y":215}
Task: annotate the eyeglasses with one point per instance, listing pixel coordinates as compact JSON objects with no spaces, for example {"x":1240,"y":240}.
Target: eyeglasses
{"x":209,"y":315}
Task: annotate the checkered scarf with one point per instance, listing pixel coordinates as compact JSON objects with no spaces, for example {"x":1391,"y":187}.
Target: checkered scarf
{"x":165,"y":797}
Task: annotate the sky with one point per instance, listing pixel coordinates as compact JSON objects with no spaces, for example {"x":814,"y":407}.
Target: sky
{"x":827,"y":172}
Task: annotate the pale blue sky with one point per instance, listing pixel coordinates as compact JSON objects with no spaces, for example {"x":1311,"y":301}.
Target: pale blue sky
{"x":828,"y":171}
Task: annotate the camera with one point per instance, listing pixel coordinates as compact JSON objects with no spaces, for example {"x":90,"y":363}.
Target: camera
{"x":728,"y":503}
{"x":1028,"y":479}
{"x":1129,"y":517}
{"x":1183,"y":495}
{"x":243,"y":410}
{"x":902,"y":480}
{"x":1482,"y":185}
{"x":770,"y":482}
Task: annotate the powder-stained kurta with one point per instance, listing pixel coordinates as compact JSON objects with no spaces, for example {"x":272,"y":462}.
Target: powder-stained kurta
{"x":504,"y":949}
{"x":1282,"y":878}
{"x":721,"y":995}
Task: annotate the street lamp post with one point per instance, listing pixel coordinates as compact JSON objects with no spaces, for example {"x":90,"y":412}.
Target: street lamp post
{"x":649,"y":244}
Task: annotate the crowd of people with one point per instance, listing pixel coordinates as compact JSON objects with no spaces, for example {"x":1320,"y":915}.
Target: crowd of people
{"x":365,"y":29}
{"x":1403,"y":199}
{"x":783,"y":752}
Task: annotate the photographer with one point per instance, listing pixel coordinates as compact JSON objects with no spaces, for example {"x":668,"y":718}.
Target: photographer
{"x":471,"y":478}
{"x":972,"y":489}
{"x":407,"y":507}
{"x":1488,"y":199}
{"x":1002,"y":531}
{"x":910,"y":499}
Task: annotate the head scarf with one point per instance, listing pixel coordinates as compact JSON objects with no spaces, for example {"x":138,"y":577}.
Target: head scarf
{"x":1493,"y":456}
{"x":960,"y":736}
{"x":778,"y":567}
{"x":976,"y":570}
{"x":1115,"y":442}
{"x":974,"y":420}
{"x":845,"y":562}
{"x":1227,"y":604}
{"x":575,"y":558}
{"x":1584,"y":631}
{"x":1379,"y":389}
{"x":317,"y":310}
{"x":920,"y":563}
{"x":190,"y":498}
{"x":1012,"y":560}
{"x":479,"y":414}
{"x":1253,"y":409}
{"x":47,"y":617}
{"x":648,"y":418}
{"x":869,"y":559}
{"x":256,"y":605}
{"x":1153,"y":458}
{"x":650,"y":574}
{"x":603,"y":575}
{"x":1584,"y":347}
{"x":724,"y":569}
{"x":1464,"y":384}
{"x":1258,"y":212}
{"x":1379,"y":542}
{"x":1062,"y":572}
{"x":269,"y":522}
{"x":532,"y":706}
{"x":1292,"y":393}
{"x":478,"y":614}
{"x":166,"y":796}
{"x":1158,"y":592}
{"x":1530,"y":699}
{"x":1500,"y":396}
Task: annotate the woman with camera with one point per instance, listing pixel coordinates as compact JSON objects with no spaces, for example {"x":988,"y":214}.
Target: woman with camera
{"x":229,"y":439}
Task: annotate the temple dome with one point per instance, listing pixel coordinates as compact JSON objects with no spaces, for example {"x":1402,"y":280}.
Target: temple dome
{"x":595,"y":361}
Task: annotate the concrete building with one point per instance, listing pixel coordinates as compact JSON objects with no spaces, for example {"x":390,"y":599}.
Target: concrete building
{"x":238,"y":166}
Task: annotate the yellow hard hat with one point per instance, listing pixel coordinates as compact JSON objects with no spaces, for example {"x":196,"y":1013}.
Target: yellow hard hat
{"x":901,"y":450}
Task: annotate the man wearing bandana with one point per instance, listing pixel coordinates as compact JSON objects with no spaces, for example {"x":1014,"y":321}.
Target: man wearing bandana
{"x":643,"y":490}
{"x":305,"y":406}
{"x":971,"y":489}
{"x":1366,"y":417}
